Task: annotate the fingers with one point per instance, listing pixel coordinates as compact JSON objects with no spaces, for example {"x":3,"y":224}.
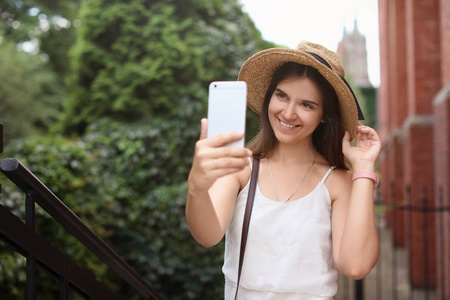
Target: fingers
{"x":366,"y":148}
{"x":210,"y":155}
{"x":204,"y":128}
{"x":213,"y":147}
{"x":367,"y":133}
{"x":222,"y":157}
{"x":206,"y":170}
{"x":221,"y":139}
{"x":223,"y":152}
{"x":213,"y":159}
{"x":364,"y":129}
{"x":227,"y":164}
{"x":218,"y":140}
{"x":346,"y":140}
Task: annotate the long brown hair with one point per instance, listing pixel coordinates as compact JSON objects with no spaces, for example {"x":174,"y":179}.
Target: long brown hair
{"x":327,"y":138}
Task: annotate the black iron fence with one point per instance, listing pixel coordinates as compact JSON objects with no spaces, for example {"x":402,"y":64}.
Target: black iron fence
{"x":39,"y":253}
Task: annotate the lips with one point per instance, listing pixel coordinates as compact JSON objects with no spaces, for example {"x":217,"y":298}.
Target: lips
{"x":287,"y":125}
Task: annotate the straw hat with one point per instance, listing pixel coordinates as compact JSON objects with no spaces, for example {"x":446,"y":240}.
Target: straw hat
{"x":257,"y":72}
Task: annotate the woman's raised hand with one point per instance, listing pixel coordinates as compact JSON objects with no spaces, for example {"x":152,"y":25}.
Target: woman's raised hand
{"x":367,"y":148}
{"x":212,"y":160}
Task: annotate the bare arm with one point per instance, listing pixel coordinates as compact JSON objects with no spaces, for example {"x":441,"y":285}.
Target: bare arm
{"x":355,"y":238}
{"x":213,"y":185}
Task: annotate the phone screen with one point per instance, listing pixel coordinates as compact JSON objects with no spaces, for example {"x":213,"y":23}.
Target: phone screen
{"x":227,"y":107}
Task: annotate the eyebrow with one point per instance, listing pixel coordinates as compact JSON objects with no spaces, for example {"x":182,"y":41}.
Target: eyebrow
{"x":311,"y":102}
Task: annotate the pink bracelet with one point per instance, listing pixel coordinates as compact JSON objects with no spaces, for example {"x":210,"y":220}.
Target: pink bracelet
{"x":366,"y":174}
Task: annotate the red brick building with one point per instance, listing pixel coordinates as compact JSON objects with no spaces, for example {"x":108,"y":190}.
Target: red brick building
{"x":414,"y":125}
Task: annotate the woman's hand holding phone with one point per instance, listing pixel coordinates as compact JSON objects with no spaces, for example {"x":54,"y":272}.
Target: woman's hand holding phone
{"x":213,"y":160}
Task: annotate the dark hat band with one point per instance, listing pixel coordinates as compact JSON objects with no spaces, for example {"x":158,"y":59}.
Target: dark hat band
{"x":324,"y":62}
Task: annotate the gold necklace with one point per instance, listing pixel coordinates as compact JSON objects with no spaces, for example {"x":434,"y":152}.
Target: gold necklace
{"x":301,"y":181}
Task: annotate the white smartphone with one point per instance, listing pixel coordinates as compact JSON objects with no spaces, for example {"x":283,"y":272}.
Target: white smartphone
{"x":227,"y":107}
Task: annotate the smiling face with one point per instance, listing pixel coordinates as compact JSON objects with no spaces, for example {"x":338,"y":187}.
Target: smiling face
{"x":286,"y":125}
{"x":295,"y":109}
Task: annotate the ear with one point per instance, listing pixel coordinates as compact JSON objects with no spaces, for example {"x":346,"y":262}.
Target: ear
{"x":322,"y":121}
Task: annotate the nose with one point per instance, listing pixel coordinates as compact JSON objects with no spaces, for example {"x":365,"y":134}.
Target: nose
{"x":289,"y":111}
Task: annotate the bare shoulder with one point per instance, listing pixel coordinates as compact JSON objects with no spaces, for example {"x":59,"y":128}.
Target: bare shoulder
{"x":339,"y":184}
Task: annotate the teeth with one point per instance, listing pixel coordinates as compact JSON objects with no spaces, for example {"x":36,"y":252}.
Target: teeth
{"x":287,"y":125}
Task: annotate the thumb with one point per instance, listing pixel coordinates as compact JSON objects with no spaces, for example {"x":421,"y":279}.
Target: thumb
{"x":204,"y":128}
{"x":346,"y":141}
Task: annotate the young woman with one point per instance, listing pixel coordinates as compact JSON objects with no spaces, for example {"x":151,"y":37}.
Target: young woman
{"x":311,"y":214}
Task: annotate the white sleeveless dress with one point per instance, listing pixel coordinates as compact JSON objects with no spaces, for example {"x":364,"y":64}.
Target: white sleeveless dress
{"x":289,"y":251}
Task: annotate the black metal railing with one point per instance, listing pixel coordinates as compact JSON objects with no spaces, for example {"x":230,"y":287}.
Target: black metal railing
{"x":23,"y":238}
{"x":425,"y":209}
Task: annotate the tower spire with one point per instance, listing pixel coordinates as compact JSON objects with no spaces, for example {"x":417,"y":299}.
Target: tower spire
{"x":355,"y":26}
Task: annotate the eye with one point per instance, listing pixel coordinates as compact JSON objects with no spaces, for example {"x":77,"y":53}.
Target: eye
{"x":307,"y":105}
{"x":281,"y":96}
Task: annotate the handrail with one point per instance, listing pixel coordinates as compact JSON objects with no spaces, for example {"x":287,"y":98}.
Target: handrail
{"x":28,"y":183}
{"x":24,"y":240}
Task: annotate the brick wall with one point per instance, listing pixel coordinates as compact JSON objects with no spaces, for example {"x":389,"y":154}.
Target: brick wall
{"x":442,"y":150}
{"x":445,"y":41}
{"x":423,"y":82}
{"x":399,"y":96}
{"x":397,"y":190}
{"x":423,"y":54}
{"x":382,"y":93}
{"x":442,"y":188}
{"x":414,"y":65}
{"x":420,"y":225}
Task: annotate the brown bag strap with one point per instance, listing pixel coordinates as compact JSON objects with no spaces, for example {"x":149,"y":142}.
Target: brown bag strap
{"x":247,"y":215}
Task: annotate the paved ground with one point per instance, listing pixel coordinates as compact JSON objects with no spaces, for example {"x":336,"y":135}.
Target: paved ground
{"x":385,"y":282}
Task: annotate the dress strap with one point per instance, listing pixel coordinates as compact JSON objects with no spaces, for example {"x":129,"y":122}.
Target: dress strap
{"x":328,"y":173}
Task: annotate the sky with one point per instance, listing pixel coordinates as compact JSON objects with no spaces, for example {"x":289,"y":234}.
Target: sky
{"x":287,"y":22}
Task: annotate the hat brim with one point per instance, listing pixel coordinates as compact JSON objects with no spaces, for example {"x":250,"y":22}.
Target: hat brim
{"x":257,"y":72}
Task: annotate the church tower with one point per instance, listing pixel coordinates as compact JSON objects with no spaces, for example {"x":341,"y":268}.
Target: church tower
{"x":353,"y":52}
